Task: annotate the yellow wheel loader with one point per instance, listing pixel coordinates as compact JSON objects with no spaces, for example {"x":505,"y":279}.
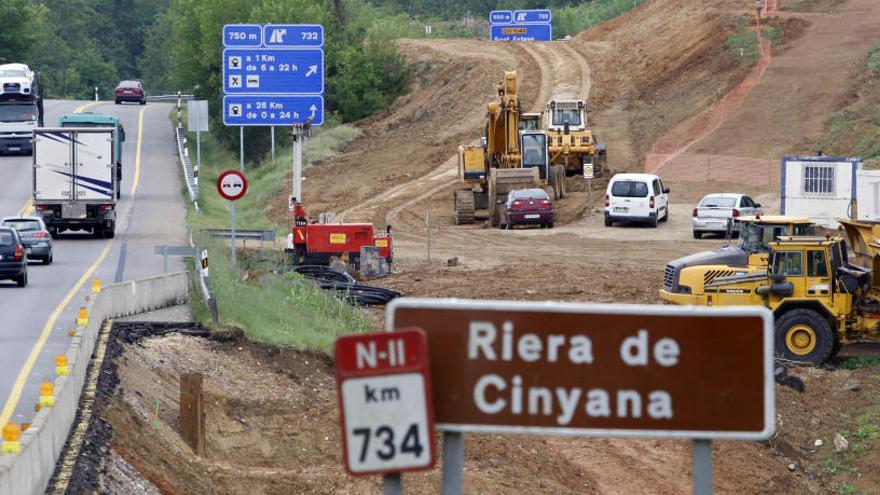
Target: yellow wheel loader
{"x":684,"y":278}
{"x":571,"y":143}
{"x":508,"y":158}
{"x":820,"y":301}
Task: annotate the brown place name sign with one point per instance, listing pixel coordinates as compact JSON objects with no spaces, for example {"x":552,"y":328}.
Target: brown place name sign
{"x":597,"y":370}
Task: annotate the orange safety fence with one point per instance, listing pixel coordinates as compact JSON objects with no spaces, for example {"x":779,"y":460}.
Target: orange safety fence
{"x":672,"y":148}
{"x":760,"y":173}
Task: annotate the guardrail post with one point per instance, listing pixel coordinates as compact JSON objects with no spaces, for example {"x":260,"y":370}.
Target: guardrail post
{"x":192,"y":412}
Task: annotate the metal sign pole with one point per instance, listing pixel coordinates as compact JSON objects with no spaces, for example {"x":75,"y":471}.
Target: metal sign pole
{"x":198,"y":151}
{"x":392,"y":484}
{"x":241,"y":140}
{"x":702,"y":452}
{"x":298,"y":136}
{"x":232,"y":230}
{"x":589,"y":197}
{"x":453,"y":463}
{"x":272,"y":132}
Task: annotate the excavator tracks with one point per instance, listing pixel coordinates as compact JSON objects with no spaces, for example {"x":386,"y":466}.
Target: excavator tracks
{"x":464,"y":207}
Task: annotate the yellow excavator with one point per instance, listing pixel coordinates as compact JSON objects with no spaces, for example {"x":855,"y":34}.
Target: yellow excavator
{"x":512,"y":155}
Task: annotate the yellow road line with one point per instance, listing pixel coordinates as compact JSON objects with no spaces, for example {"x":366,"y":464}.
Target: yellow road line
{"x":18,"y":387}
{"x":27,"y":208}
{"x":82,"y":108}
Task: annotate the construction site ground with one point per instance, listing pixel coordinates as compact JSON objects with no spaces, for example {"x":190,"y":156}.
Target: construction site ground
{"x":273,"y":423}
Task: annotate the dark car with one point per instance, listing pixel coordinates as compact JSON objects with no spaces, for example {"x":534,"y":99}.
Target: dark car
{"x":34,"y":236}
{"x":131,"y":91}
{"x":526,"y":207}
{"x":13,"y":261}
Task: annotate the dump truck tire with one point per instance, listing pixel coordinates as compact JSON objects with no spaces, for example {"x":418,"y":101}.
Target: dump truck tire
{"x":804,"y":335}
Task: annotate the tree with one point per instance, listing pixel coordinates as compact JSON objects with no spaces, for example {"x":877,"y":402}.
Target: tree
{"x":17,"y":34}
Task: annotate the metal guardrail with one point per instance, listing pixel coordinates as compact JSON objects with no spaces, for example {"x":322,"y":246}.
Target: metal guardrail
{"x":173,"y":97}
{"x":260,"y":235}
{"x":190,"y":172}
{"x":245,"y":235}
{"x":201,"y":264}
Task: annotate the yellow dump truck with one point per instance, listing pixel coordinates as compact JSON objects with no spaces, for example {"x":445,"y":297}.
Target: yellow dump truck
{"x":819,"y":299}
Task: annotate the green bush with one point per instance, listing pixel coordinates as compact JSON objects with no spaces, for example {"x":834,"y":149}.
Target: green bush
{"x":368,"y":79}
{"x":874,"y":59}
{"x":571,"y":20}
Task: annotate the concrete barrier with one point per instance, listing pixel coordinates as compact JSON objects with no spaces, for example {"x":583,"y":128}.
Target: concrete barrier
{"x":29,"y":472}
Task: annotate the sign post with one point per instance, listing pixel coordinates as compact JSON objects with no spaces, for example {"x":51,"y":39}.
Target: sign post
{"x":384,"y":385}
{"x":589,"y":174}
{"x":596,"y":370}
{"x":197,"y":120}
{"x":232,"y":185}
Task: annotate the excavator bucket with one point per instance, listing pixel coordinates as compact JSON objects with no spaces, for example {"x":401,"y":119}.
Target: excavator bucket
{"x":504,"y":180}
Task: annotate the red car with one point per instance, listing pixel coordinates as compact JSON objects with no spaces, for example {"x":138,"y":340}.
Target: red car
{"x":131,"y":91}
{"x":526,"y":207}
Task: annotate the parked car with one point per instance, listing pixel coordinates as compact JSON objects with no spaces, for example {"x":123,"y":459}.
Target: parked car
{"x":716,"y":211}
{"x":131,"y":91}
{"x":13,"y":261}
{"x":636,"y":198}
{"x":526,"y":207}
{"x":34,"y":236}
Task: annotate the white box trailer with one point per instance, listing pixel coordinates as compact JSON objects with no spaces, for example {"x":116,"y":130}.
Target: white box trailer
{"x":819,"y":187}
{"x":75,"y":180}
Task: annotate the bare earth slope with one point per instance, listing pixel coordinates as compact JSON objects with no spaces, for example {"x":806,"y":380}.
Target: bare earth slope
{"x":802,"y":86}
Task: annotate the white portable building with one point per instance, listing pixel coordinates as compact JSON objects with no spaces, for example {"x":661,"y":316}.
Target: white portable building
{"x":819,"y":187}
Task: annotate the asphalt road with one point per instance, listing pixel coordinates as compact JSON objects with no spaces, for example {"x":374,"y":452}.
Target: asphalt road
{"x":34,"y":320}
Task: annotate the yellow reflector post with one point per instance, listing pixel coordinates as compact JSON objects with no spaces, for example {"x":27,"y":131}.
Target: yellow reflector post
{"x":47,"y":391}
{"x":82,"y":317}
{"x":11,"y":434}
{"x":96,"y":286}
{"x":61,"y":368}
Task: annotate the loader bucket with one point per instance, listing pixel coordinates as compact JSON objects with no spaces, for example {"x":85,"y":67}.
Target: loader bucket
{"x":864,"y":239}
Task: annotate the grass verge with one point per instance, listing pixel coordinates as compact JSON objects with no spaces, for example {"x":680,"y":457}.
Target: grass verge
{"x":282,"y":309}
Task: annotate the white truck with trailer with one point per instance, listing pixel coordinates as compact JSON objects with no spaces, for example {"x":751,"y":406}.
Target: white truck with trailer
{"x":75,"y":180}
{"x":21,"y":107}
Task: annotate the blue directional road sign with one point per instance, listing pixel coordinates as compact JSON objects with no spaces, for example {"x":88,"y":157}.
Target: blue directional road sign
{"x":273,"y":71}
{"x":532,"y":17}
{"x":521,"y":32}
{"x":500,"y":17}
{"x":265,"y":110}
{"x":242,"y":35}
{"x":293,"y":35}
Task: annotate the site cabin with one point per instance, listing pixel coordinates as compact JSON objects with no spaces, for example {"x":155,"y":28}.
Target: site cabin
{"x":819,"y":187}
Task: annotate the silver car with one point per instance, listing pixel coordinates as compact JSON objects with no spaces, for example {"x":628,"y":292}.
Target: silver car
{"x":34,"y":236}
{"x":716,"y":211}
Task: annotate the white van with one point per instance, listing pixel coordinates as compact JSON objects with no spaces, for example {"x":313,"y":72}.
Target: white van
{"x":636,"y":198}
